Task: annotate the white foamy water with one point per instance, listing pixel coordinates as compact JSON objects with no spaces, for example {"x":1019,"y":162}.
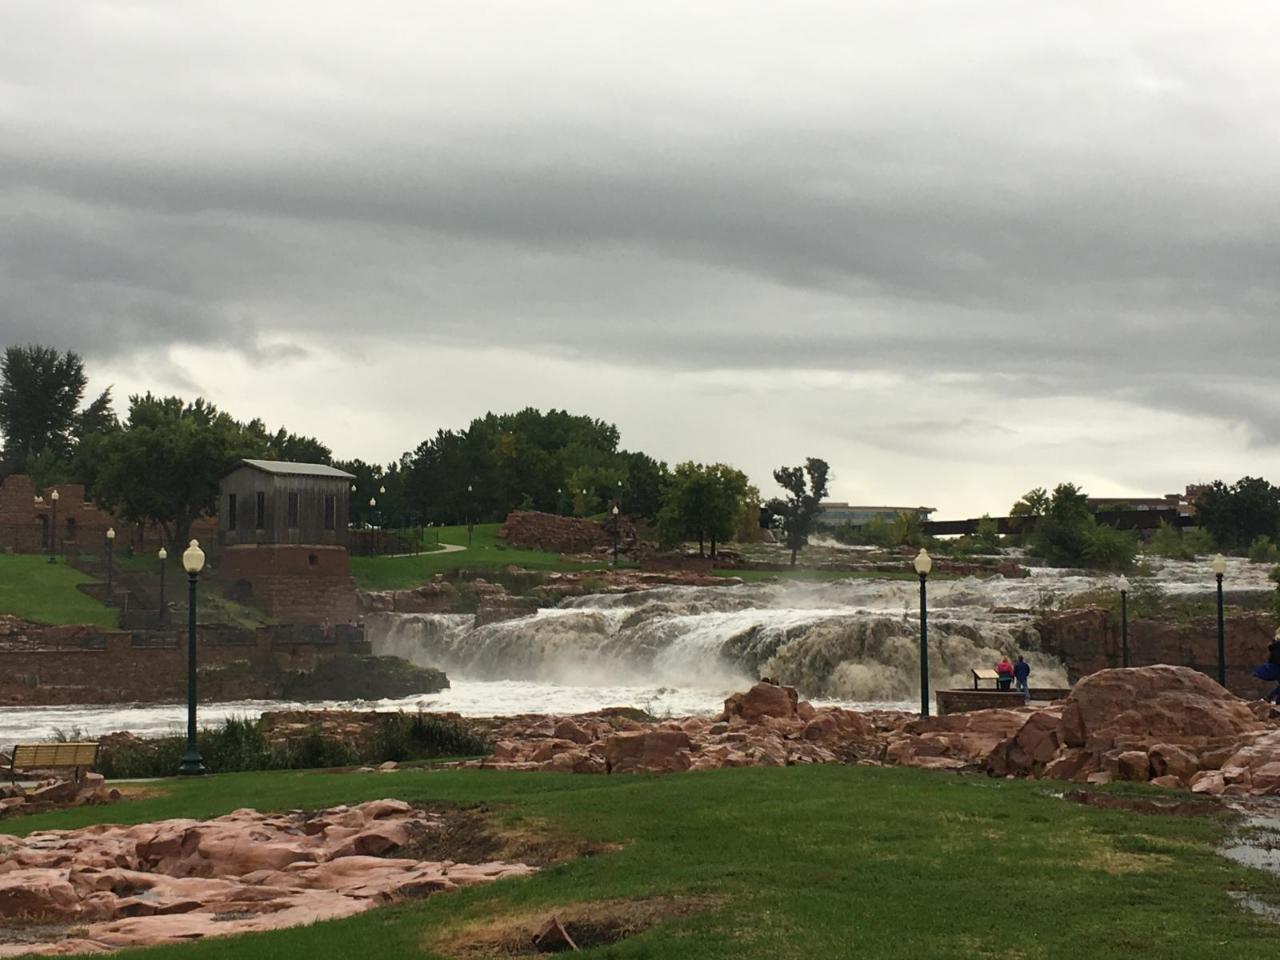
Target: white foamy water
{"x":467,"y":697}
{"x":676,"y":651}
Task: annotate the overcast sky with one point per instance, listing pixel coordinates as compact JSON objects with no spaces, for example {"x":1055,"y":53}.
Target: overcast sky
{"x":955,"y":249}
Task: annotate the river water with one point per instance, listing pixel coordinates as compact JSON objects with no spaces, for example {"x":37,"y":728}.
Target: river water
{"x":681,"y":650}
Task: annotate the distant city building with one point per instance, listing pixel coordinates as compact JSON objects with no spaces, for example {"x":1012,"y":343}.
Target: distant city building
{"x":836,"y":512}
{"x":1184,"y":503}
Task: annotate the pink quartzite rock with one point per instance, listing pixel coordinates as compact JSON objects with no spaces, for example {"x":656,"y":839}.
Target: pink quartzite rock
{"x":762,"y":700}
{"x":179,"y":880}
{"x":1161,"y":703}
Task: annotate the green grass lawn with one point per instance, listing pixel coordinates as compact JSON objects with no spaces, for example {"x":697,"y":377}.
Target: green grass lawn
{"x":34,"y":589}
{"x":485,"y":551}
{"x":798,"y":863}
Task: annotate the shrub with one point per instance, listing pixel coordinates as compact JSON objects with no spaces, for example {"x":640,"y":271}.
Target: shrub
{"x":239,"y":744}
{"x":1263,"y":550}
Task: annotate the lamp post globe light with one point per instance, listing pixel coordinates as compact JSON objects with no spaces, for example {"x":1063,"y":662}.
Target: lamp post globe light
{"x":923,"y":564}
{"x":193,"y":562}
{"x":1219,"y":567}
{"x":615,"y":534}
{"x":373,"y":502}
{"x":1123,"y":586}
{"x":163,"y":554}
{"x":111,"y":540}
{"x":470,"y":511}
{"x":53,"y":529}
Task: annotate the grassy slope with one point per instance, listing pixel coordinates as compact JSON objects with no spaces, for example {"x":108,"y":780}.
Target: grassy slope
{"x":485,"y":552}
{"x":34,"y":589}
{"x":814,"y":862}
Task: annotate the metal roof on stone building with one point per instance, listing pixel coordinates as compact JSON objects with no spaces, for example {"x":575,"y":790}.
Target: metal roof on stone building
{"x":296,"y":469}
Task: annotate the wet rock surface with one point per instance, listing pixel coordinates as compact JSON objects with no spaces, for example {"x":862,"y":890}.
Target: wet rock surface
{"x":108,"y":887}
{"x":53,"y":794}
{"x":1170,"y":726}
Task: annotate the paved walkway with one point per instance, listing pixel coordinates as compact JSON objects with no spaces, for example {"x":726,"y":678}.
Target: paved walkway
{"x":444,"y":548}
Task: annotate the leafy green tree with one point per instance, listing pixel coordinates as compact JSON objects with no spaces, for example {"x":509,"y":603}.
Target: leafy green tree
{"x":1238,"y":514}
{"x":1068,"y":535}
{"x":164,"y":465}
{"x":703,"y":503}
{"x":40,"y":393}
{"x":368,"y":478}
{"x":986,"y":539}
{"x":799,"y":509}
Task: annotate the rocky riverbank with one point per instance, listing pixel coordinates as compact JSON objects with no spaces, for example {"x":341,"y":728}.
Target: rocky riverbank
{"x":110,"y":887}
{"x":1171,"y":726}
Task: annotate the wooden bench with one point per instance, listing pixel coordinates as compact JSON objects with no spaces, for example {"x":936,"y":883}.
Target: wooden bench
{"x":985,"y":675}
{"x":52,"y":756}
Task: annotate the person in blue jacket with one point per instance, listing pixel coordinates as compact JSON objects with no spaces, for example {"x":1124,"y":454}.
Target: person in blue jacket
{"x":1270,"y":671}
{"x":1022,"y":670}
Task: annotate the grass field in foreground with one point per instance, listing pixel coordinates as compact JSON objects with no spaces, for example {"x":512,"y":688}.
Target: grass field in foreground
{"x":806,"y":862}
{"x":486,"y":551}
{"x":43,"y":592}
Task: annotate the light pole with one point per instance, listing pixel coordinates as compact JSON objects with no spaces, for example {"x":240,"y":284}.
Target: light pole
{"x":193,"y":562}
{"x":923,"y":564}
{"x":559,"y":500}
{"x":470,"y":511}
{"x":1219,"y":567}
{"x":615,"y":534}
{"x":111,"y":540}
{"x":373,"y":502}
{"x":1123,"y":587}
{"x":163,"y":555}
{"x":53,"y":529}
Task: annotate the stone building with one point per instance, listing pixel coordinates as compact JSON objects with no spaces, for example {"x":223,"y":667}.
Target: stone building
{"x":27,"y":516}
{"x":283,"y":533}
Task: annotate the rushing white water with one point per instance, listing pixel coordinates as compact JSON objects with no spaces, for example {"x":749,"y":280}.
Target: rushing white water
{"x":682,"y":650}
{"x":469,"y":698}
{"x":850,"y":640}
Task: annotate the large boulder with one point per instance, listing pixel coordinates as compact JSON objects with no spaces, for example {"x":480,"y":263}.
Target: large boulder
{"x":653,"y":751}
{"x":762,"y":700}
{"x":1156,"y":704}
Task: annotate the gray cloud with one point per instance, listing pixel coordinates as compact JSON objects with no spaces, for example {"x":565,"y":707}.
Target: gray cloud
{"x":1061,"y":203}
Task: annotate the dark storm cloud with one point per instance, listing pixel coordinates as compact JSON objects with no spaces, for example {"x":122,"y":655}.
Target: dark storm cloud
{"x":1082,"y":211}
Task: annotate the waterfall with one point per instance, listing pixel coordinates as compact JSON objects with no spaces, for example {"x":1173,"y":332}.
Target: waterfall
{"x":846,"y":640}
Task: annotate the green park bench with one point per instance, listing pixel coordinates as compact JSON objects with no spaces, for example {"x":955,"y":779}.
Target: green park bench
{"x":50,"y":756}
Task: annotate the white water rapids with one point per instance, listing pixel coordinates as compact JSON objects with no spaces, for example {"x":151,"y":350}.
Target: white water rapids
{"x":681,"y":650}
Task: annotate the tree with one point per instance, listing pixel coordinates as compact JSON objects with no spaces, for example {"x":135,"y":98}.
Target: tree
{"x":1237,"y":515}
{"x":164,"y":465}
{"x":40,"y":393}
{"x":703,"y":503}
{"x":1068,"y":535}
{"x":800,"y":508}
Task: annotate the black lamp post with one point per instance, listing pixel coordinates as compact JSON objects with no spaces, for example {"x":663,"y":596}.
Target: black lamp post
{"x":53,"y":529}
{"x":164,"y":614}
{"x":470,"y":512}
{"x":377,"y":533}
{"x":193,"y":562}
{"x":111,"y":540}
{"x":923,"y":564}
{"x":1123,"y":586}
{"x":1219,"y":567}
{"x":615,"y":534}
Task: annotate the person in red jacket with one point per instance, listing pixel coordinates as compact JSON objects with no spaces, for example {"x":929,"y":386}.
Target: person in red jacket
{"x":1004,"y":674}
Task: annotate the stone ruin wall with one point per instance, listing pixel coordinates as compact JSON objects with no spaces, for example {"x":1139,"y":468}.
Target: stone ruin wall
{"x":84,"y":665}
{"x":1088,"y":640}
{"x":298,"y":584}
{"x":82,"y":525}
